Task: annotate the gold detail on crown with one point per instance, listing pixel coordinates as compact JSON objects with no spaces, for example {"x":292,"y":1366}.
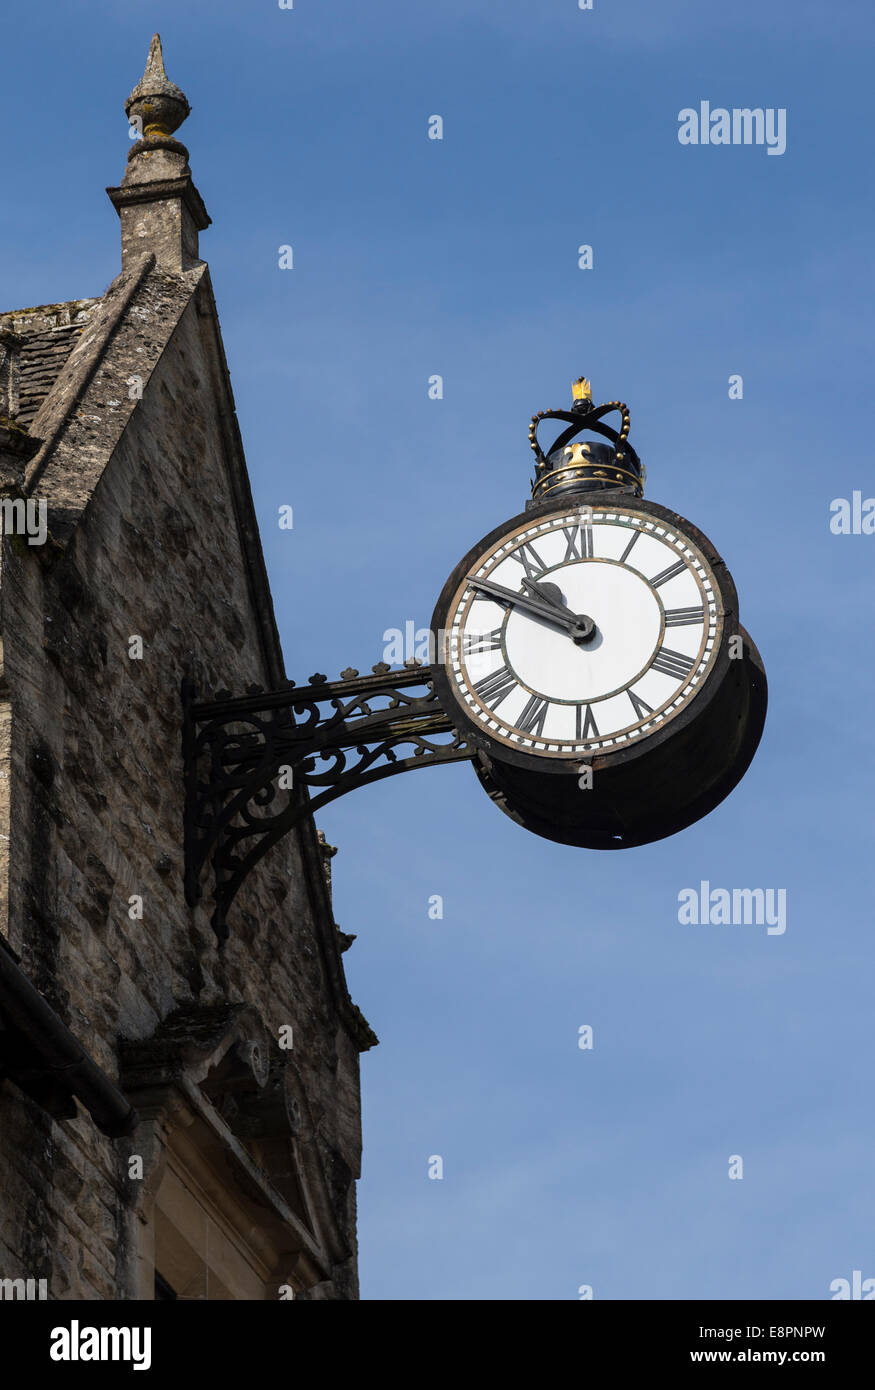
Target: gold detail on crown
{"x":581,"y":390}
{"x":577,"y":453}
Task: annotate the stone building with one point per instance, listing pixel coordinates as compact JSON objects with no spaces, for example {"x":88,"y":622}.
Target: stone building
{"x":179,"y":1117}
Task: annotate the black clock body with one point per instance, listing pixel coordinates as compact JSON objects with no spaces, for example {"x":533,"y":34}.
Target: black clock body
{"x":658,"y":784}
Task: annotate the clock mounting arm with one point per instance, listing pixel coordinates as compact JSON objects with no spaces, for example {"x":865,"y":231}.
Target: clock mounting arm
{"x":257,"y":765}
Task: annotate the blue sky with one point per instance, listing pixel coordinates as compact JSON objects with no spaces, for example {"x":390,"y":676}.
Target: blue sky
{"x":459,"y":257}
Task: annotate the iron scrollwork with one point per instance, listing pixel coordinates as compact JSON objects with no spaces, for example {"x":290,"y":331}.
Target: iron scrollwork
{"x":253,"y":771}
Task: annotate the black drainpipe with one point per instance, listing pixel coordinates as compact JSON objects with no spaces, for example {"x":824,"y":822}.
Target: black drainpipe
{"x":63,"y":1058}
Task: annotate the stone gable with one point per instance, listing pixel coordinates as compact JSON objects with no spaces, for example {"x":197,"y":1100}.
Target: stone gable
{"x":153,"y":536}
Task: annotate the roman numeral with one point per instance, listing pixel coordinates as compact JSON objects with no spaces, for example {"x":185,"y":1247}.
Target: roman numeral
{"x":495,"y":688}
{"x":532,"y":718}
{"x":530,"y":560}
{"x":578,"y":541}
{"x":474,"y":643}
{"x":683,"y":617}
{"x":640,"y":706}
{"x":625,"y":554}
{"x":672,"y":663}
{"x":585,"y":727}
{"x":668,"y":574}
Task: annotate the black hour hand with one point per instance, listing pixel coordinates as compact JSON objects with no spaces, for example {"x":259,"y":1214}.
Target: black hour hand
{"x":551,"y":593}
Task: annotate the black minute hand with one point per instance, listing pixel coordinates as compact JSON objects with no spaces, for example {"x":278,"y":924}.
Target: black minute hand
{"x":560,"y":617}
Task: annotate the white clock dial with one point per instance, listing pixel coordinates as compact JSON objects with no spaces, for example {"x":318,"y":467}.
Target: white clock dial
{"x":582,"y":632}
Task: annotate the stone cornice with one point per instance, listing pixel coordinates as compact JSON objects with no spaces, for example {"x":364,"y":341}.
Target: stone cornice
{"x":160,"y":190}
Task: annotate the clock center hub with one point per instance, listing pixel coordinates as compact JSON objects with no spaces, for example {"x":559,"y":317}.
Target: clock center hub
{"x":584,"y":630}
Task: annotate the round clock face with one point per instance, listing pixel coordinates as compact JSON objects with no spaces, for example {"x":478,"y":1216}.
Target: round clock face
{"x":582,"y":631}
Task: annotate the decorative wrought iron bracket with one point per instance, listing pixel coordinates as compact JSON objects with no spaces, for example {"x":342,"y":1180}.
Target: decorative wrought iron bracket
{"x":252,"y":773}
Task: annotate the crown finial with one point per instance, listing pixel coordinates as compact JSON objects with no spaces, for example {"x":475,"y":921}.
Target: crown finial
{"x":571,"y":466}
{"x":158,"y":104}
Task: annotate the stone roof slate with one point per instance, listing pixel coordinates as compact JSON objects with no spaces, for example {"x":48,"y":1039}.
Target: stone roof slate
{"x":49,"y":333}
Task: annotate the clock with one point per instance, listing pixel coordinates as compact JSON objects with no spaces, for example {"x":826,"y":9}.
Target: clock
{"x":590,"y":650}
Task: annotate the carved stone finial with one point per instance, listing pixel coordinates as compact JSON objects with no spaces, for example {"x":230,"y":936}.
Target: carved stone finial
{"x":161,"y":211}
{"x":156,"y":101}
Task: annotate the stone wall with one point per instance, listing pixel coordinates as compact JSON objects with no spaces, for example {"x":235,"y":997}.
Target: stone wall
{"x":96,"y":807}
